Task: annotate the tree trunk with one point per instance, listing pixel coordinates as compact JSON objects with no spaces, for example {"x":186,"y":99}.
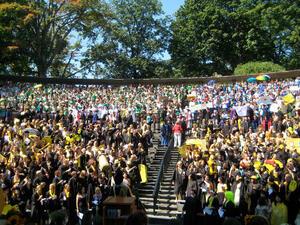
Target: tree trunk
{"x":42,"y":70}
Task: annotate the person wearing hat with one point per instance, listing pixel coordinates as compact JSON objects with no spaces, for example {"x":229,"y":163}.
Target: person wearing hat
{"x":253,"y":192}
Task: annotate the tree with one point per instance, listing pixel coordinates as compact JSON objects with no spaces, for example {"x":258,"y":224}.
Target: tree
{"x":281,"y":20}
{"x":129,"y":45}
{"x":45,"y":36}
{"x":14,"y":17}
{"x":216,"y":36}
{"x":52,"y":28}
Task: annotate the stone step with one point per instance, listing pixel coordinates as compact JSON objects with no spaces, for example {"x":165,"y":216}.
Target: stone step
{"x":146,"y":199}
{"x":153,"y":168}
{"x":152,"y":178}
{"x":167,"y":182}
{"x":167,"y":176}
{"x":167,"y":201}
{"x":169,"y":191}
{"x":147,"y":196}
{"x":163,"y":212}
{"x":173,"y":162}
{"x":145,"y":191}
{"x":170,"y":171}
{"x":148,"y":206}
{"x":163,"y":220}
{"x":160,"y":149}
{"x":157,"y":161}
{"x":166,"y":190}
{"x":167,"y":179}
{"x":169,"y":209}
{"x":161,"y":206}
{"x":149,"y":185}
{"x":166,"y":196}
{"x":161,"y":196}
{"x":159,"y":200}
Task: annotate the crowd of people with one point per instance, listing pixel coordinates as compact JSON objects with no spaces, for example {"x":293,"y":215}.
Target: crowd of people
{"x":66,"y":148}
{"x":247,"y":166}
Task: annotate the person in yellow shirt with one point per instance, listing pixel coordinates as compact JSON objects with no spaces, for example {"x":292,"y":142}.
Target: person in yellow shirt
{"x":279,"y":213}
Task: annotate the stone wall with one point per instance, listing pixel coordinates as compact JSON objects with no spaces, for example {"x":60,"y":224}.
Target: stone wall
{"x":154,"y":81}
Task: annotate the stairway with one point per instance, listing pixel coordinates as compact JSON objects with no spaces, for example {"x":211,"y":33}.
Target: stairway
{"x":167,"y":207}
{"x":166,"y":211}
{"x":146,"y":190}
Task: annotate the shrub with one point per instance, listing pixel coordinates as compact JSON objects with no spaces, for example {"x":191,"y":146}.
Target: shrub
{"x":257,"y":67}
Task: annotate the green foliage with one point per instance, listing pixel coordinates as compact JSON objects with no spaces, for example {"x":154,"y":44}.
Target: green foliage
{"x":129,"y":45}
{"x":128,"y":38}
{"x":216,"y":36}
{"x":40,"y":32}
{"x":14,"y":17}
{"x":257,"y":67}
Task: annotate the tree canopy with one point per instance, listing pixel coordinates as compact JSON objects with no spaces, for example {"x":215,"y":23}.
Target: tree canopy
{"x":131,"y":38}
{"x":217,"y":35}
{"x":39,"y":32}
{"x":130,"y":44}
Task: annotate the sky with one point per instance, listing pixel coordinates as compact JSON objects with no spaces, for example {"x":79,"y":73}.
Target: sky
{"x":171,"y":6}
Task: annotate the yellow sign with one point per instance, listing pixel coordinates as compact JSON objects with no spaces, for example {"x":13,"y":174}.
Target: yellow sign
{"x":293,"y":143}
{"x":198,"y":142}
{"x":288,"y":99}
{"x":201,"y":143}
{"x":143,"y":173}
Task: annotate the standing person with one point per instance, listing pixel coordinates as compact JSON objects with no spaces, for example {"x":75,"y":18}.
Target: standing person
{"x":36,"y":205}
{"x":72,"y":189}
{"x":279,"y":214}
{"x":53,"y":203}
{"x":221,"y":189}
{"x":263,"y":208}
{"x":82,"y":206}
{"x":190,"y":207}
{"x":178,"y":180}
{"x":165,"y":132}
{"x":177,"y":130}
{"x":228,"y":206}
{"x":238,"y":189}
{"x":65,"y":201}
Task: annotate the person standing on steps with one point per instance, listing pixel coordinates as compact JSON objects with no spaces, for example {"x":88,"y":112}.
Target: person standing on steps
{"x":177,"y":130}
{"x":178,"y":180}
{"x":165,"y":133}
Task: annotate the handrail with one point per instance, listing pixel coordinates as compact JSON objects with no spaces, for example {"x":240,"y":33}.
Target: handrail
{"x":163,"y":165}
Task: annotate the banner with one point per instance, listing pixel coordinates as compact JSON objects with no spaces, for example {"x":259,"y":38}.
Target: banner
{"x":198,"y":142}
{"x":241,"y":110}
{"x":143,"y":173}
